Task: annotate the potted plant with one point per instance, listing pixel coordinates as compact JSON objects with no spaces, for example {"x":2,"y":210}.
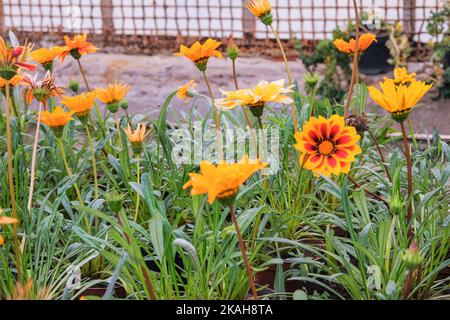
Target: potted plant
{"x":375,"y":59}
{"x":439,"y":49}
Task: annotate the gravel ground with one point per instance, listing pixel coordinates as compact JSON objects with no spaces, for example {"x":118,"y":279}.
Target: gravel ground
{"x":154,"y":77}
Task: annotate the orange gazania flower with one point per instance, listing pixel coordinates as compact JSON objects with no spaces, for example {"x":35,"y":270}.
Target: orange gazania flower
{"x":45,"y":56}
{"x":200,"y":53}
{"x":136,"y":137}
{"x":402,"y":77}
{"x":222,"y":181}
{"x":57,"y":118}
{"x":29,"y":291}
{"x":327,"y":146}
{"x":80,"y":104}
{"x":16,"y":80}
{"x":4,"y":221}
{"x":261,"y":9}
{"x":113,"y":95}
{"x":398,"y":100}
{"x":41,"y":90}
{"x":77,"y":47}
{"x":349,"y":47}
{"x":13,"y":58}
{"x":184,"y":92}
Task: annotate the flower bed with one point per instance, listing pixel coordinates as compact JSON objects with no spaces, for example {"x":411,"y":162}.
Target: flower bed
{"x":276,"y":193}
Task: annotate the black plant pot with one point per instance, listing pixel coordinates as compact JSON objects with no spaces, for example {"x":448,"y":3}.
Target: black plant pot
{"x":375,"y":60}
{"x":447,"y":60}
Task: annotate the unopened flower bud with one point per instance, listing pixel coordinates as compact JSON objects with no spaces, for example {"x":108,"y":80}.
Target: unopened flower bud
{"x":233,"y":50}
{"x":114,"y":201}
{"x":396,"y":205}
{"x":412,"y":258}
{"x":311,"y":81}
{"x":123,"y":104}
{"x":74,"y":86}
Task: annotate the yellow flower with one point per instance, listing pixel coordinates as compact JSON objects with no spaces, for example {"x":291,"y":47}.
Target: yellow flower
{"x":113,"y":95}
{"x":185,"y":91}
{"x":45,"y":56}
{"x":399,"y":100}
{"x":327,"y":146}
{"x":261,"y":9}
{"x":200,"y":53}
{"x":81,"y":104}
{"x":256,"y":98}
{"x":57,"y":118}
{"x":77,"y":47}
{"x":402,"y":77}
{"x":222,"y":181}
{"x":136,"y":137}
{"x":349,"y":47}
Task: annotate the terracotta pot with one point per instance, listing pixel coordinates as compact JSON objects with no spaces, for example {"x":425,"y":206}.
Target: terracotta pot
{"x":267,"y":278}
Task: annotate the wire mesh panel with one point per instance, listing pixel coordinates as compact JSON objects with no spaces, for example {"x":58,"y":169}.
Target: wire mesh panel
{"x":152,"y":21}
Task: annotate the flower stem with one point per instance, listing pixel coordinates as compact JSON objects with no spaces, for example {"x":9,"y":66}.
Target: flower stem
{"x":380,"y":152}
{"x":94,"y":163}
{"x":408,"y":285}
{"x":355,"y":62}
{"x":116,"y":121}
{"x":138,"y":179}
{"x":216,"y":112}
{"x":370,"y":193}
{"x":216,"y":117}
{"x":410,"y":179}
{"x":248,"y":267}
{"x":97,"y":109}
{"x":289,"y":74}
{"x":69,"y":173}
{"x":11,"y":181}
{"x":236,"y":84}
{"x":148,"y":282}
{"x":33,"y":160}
{"x":247,"y":117}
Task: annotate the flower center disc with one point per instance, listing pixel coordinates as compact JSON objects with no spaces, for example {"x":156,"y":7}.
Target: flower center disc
{"x":326,"y":147}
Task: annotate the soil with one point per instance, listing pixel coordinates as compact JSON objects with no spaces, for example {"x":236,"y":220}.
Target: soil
{"x":153,"y":78}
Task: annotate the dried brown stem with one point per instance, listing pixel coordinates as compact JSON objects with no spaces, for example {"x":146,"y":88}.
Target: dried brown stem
{"x":355,"y":62}
{"x":370,"y":193}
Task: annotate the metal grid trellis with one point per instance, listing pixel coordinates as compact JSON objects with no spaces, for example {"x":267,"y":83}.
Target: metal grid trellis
{"x":162,"y":24}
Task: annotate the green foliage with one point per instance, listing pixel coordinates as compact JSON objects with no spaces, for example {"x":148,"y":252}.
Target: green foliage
{"x":329,"y":236}
{"x":438,"y":27}
{"x":337,"y":74}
